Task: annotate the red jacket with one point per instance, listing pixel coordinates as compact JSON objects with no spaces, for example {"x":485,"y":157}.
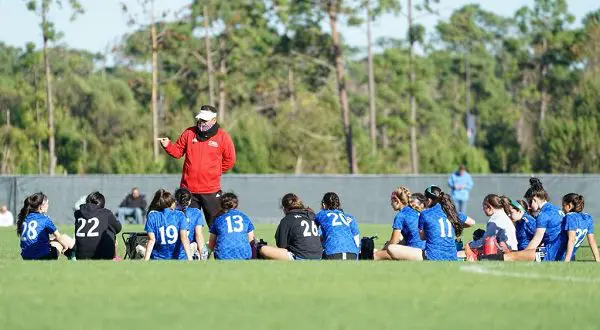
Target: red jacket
{"x":205,"y":161}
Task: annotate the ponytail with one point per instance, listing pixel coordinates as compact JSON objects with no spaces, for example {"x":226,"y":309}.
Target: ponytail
{"x":331,"y":201}
{"x":536,"y":189}
{"x":30,"y":204}
{"x":450,"y":210}
{"x":162,"y":200}
{"x":576,"y":200}
{"x":229,"y":201}
{"x":291,"y":202}
{"x":499,"y":202}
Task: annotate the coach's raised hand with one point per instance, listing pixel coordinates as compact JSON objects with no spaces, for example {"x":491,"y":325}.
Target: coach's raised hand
{"x":164,"y":141}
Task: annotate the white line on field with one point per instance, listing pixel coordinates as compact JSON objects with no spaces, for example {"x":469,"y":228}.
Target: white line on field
{"x":494,"y":272}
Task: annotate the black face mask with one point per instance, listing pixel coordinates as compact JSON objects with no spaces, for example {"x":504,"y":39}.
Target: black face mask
{"x":203,"y":136}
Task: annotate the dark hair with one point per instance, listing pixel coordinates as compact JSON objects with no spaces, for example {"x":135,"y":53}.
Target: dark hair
{"x":524,"y":204}
{"x":462,"y":167}
{"x":536,"y":189}
{"x":30,"y":204}
{"x":162,"y":200}
{"x":291,"y":202}
{"x":229,"y":201}
{"x":331,"y":201}
{"x":437,"y":196}
{"x":576,"y":200}
{"x":419,"y":198}
{"x":96,"y":198}
{"x":183,"y":197}
{"x":498,"y":202}
{"x":207,"y":107}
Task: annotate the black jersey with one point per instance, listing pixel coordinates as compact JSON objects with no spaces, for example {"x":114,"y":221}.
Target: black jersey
{"x":298,"y":233}
{"x":95,"y":232}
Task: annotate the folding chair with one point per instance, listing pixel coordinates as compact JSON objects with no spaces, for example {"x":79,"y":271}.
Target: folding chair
{"x":132,"y":241}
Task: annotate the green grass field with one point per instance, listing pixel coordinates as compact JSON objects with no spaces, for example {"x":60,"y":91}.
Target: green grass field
{"x":295,"y":295}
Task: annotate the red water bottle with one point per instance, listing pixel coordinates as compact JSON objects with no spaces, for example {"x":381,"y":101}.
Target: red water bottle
{"x":490,"y":246}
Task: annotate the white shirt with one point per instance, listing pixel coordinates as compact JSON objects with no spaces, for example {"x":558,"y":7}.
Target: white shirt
{"x":503,"y":221}
{"x":6,"y":219}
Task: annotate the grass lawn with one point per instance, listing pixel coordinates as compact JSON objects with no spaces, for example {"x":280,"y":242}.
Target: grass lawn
{"x":295,"y":295}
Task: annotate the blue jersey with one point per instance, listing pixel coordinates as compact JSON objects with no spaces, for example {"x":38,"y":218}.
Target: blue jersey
{"x":165,"y":226}
{"x":525,"y":230}
{"x":582,"y":224}
{"x":462,"y":217}
{"x":35,"y":236}
{"x":407,"y":221}
{"x":550,"y":218}
{"x":337,"y":232}
{"x":439,"y":234}
{"x":232,"y":230}
{"x":193,"y":217}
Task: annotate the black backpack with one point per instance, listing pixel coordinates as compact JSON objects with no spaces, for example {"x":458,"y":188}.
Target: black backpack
{"x":367,"y":247}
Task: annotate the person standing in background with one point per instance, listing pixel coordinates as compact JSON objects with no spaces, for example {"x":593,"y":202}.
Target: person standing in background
{"x":134,"y":205}
{"x":460,"y":183}
{"x":6,"y":217}
{"x":209,"y":152}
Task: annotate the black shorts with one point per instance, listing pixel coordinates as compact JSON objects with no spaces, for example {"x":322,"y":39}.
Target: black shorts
{"x":341,"y":256}
{"x":210,"y":204}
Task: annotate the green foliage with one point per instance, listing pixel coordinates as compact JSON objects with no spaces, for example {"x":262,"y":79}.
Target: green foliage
{"x":274,"y":75}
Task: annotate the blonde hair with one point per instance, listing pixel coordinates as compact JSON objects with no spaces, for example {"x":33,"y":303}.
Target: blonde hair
{"x":402,"y":196}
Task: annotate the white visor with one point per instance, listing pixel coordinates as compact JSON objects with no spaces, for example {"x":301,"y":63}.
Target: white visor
{"x":206,"y":115}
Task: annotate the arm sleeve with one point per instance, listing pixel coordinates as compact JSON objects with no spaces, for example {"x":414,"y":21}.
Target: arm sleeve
{"x":398,"y":222}
{"x":149,"y":228}
{"x":462,"y":217}
{"x":177,"y":149}
{"x":354,"y":227}
{"x":213,"y":228}
{"x":250,"y":225}
{"x":123,"y":203}
{"x":50,"y":227}
{"x":228,"y":154}
{"x":541,"y":221}
{"x":113,"y":222}
{"x":451,"y":181}
{"x":201,"y":220}
{"x":281,"y":235}
{"x":421,"y":221}
{"x":144,"y":202}
{"x":469,"y":184}
{"x":182,"y":221}
{"x":570,"y":222}
{"x":591,"y":228}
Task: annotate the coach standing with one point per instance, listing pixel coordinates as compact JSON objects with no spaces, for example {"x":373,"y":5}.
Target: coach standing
{"x":209,"y":152}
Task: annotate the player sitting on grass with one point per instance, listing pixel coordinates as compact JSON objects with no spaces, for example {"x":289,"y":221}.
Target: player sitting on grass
{"x":577,"y":226}
{"x":35,"y":229}
{"x":96,"y":229}
{"x":405,"y":228}
{"x":439,"y":225}
{"x":195,"y":222}
{"x":231,"y":232}
{"x":524,"y":223}
{"x":167,"y":230}
{"x":339,"y":231}
{"x":297,"y":235}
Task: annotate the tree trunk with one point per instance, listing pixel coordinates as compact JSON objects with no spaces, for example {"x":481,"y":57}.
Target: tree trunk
{"x":414,"y":153}
{"x":333,"y":7}
{"x":385,"y":141}
{"x":49,"y":106}
{"x":292,"y":90}
{"x":298,"y":168}
{"x":209,"y":63}
{"x":153,"y":36}
{"x":223,"y":74}
{"x":372,"y":109}
{"x":37,"y":115}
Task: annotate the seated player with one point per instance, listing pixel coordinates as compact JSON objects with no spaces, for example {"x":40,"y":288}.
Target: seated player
{"x":297,"y":235}
{"x":498,"y":209}
{"x":577,"y":226}
{"x":406,"y":223}
{"x":35,"y":229}
{"x":524,"y":223}
{"x":96,"y":229}
{"x":339,"y":231}
{"x":438,"y":225}
{"x":195,"y":222}
{"x":231,"y":232}
{"x":167,"y":230}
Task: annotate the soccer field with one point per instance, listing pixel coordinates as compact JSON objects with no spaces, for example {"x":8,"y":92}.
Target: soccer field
{"x":295,"y":295}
